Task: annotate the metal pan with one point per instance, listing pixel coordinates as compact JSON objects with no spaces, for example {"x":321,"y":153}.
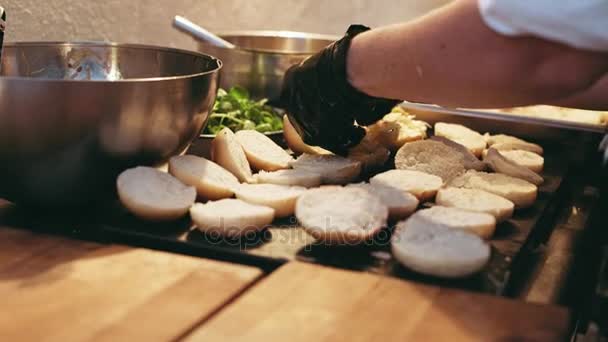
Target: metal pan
{"x":523,"y":126}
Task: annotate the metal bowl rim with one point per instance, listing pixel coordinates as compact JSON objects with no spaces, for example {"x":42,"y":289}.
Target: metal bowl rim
{"x":276,"y":33}
{"x":113,"y":45}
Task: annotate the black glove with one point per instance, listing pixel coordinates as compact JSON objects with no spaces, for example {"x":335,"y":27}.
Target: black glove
{"x":323,"y":106}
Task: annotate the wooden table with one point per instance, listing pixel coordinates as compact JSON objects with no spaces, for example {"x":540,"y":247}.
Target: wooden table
{"x":57,"y":289}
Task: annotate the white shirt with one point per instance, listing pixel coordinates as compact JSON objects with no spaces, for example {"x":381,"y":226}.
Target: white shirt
{"x":581,"y":24}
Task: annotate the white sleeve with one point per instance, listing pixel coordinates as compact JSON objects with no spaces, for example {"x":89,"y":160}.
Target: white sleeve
{"x":581,"y":24}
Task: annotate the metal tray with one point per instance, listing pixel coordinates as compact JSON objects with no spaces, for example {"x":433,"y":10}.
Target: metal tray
{"x":546,"y":130}
{"x":285,"y":240}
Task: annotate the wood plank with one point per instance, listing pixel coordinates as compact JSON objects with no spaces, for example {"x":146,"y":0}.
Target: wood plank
{"x":72,"y":290}
{"x":314,"y":303}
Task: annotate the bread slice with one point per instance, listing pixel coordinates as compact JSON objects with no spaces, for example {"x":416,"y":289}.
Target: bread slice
{"x":476,"y":200}
{"x":480,"y":224}
{"x":437,"y":250}
{"x":281,"y":198}
{"x":154,"y":195}
{"x":295,"y":142}
{"x":212,"y":182}
{"x":431,"y":157}
{"x":230,"y":217}
{"x":400,"y":204}
{"x":228,"y":153}
{"x":263,"y":153}
{"x":526,"y":159}
{"x":422,"y":185}
{"x":333,"y":169}
{"x":470,"y":161}
{"x":341,"y":215}
{"x":503,"y":142}
{"x":520,"y":192}
{"x":500,"y":164}
{"x":397,"y":128}
{"x":467,"y":137}
{"x":295,"y":177}
{"x":370,"y":154}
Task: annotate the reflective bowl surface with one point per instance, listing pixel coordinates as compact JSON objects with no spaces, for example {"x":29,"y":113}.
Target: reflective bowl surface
{"x":74,"y":115}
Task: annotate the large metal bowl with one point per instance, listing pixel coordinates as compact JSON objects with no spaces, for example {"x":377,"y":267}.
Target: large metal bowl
{"x":262,"y":57}
{"x":74,"y":115}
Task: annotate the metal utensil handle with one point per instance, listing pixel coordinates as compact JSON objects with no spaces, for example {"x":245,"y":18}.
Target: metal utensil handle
{"x":2,"y":27}
{"x":200,"y":33}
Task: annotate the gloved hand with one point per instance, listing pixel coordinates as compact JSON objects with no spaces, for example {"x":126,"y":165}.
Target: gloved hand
{"x":323,"y":106}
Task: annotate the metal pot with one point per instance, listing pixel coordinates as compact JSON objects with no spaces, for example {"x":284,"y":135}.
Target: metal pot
{"x":262,"y":57}
{"x":74,"y":115}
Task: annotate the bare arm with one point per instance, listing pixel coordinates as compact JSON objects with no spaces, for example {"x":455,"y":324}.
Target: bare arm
{"x":450,"y":57}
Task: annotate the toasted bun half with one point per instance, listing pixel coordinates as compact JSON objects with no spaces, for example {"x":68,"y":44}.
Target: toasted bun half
{"x":476,"y":200}
{"x":212,"y":182}
{"x":527,"y":159}
{"x":431,"y":157}
{"x":333,"y":169}
{"x":500,"y":164}
{"x":437,"y":250}
{"x":341,"y":215}
{"x":263,"y":153}
{"x":480,"y":224}
{"x":294,"y":177}
{"x":465,"y":136}
{"x":400,"y":204}
{"x":422,"y":185}
{"x":154,"y":195}
{"x":522,"y":193}
{"x":227,"y":152}
{"x":230,"y":217}
{"x":281,"y":198}
{"x":470,"y":162}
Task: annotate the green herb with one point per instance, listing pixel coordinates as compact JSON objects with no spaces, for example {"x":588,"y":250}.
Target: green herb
{"x":236,"y":110}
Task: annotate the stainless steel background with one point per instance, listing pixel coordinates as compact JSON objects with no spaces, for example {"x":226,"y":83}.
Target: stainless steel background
{"x":262,"y":57}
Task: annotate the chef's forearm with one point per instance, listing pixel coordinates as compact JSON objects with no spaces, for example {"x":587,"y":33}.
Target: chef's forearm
{"x":452,"y":58}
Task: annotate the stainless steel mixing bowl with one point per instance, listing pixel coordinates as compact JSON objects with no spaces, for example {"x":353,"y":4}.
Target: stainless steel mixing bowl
{"x":74,"y":115}
{"x":262,"y":57}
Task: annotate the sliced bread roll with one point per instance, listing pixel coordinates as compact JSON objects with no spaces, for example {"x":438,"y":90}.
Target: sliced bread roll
{"x":341,"y":215}
{"x":526,"y":159}
{"x":295,"y":177}
{"x":503,"y":142}
{"x":480,"y":224}
{"x":211,"y":181}
{"x":397,"y":128}
{"x":400,"y":204}
{"x":370,"y":154}
{"x":470,"y":161}
{"x":422,"y":185}
{"x":295,"y":142}
{"x":230,"y":217}
{"x":228,"y":153}
{"x":333,"y":169}
{"x":476,"y":200}
{"x":467,"y":137}
{"x":500,"y":164}
{"x":437,"y":250}
{"x":154,"y":195}
{"x":431,"y":157}
{"x":263,"y":153}
{"x":520,"y":192}
{"x":281,"y":198}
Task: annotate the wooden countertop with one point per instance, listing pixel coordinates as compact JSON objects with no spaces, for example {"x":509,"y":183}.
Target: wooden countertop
{"x":58,"y":289}
{"x":313,"y":303}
